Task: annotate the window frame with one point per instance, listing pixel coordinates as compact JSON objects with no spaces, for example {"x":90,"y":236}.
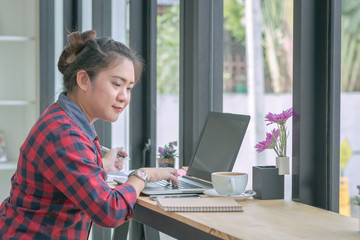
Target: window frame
{"x":316,"y":102}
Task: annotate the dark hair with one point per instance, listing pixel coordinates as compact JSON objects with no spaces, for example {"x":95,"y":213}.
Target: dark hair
{"x":86,"y":52}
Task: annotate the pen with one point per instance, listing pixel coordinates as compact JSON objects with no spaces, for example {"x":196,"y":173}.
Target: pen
{"x":105,"y":149}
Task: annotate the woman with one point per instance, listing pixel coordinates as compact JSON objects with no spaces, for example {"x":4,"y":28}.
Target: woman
{"x":59,"y":186}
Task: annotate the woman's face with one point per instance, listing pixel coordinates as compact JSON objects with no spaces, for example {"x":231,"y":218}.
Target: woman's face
{"x":110,"y":92}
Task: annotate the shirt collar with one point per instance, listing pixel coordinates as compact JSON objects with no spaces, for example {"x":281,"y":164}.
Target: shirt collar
{"x":77,"y":115}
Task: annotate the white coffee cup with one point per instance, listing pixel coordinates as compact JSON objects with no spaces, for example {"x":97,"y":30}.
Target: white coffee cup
{"x":229,"y":183}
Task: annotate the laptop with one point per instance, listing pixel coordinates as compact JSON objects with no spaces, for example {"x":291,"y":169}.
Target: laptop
{"x":216,"y":151}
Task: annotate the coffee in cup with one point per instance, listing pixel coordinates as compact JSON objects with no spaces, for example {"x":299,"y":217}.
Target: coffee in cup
{"x":229,"y":183}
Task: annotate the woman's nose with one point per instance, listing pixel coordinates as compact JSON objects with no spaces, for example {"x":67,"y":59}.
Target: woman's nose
{"x":122,"y":95}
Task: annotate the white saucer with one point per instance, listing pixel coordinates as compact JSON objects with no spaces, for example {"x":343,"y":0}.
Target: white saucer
{"x":242,"y":196}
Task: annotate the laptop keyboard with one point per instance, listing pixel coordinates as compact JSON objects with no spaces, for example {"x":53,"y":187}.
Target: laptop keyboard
{"x":182,"y":185}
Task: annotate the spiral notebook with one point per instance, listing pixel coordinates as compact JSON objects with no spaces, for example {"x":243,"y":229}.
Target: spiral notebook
{"x":199,"y":205}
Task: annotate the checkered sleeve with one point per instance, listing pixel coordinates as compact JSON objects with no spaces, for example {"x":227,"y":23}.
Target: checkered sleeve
{"x":70,"y":162}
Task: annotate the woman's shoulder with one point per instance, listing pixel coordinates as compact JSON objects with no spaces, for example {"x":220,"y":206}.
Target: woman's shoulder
{"x":56,"y":120}
{"x":54,"y":112}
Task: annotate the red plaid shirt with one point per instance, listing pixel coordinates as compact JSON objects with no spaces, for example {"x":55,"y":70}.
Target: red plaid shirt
{"x":59,"y":186}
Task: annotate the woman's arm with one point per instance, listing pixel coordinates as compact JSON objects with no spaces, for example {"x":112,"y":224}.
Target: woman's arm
{"x":153,"y":175}
{"x":71,"y":164}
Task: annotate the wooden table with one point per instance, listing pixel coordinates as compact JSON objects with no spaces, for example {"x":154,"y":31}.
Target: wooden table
{"x":261,"y":219}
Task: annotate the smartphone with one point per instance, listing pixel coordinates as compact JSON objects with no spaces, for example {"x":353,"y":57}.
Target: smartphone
{"x":154,"y":197}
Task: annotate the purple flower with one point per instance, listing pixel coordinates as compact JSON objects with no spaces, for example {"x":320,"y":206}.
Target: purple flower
{"x":358,"y":186}
{"x":168,"y":151}
{"x":161,"y":151}
{"x":279,"y":118}
{"x":276,"y":140}
{"x":269,"y":142}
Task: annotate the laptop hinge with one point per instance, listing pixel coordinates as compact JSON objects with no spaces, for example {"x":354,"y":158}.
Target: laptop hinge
{"x":202,"y":181}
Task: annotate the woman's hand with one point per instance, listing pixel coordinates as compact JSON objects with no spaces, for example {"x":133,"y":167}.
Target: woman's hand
{"x":111,"y":161}
{"x":158,"y":174}
{"x":154,"y":175}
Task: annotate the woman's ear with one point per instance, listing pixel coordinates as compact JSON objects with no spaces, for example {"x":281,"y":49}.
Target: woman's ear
{"x":83,"y":80}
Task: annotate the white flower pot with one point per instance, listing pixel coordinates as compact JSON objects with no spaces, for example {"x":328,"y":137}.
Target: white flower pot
{"x":282,"y":163}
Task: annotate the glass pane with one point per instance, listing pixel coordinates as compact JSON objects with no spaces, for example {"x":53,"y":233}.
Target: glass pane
{"x":258,"y":73}
{"x":168,"y":44}
{"x":120,"y":32}
{"x":350,"y":111}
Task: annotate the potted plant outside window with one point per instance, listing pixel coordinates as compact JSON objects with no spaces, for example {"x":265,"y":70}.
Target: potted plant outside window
{"x":167,"y":155}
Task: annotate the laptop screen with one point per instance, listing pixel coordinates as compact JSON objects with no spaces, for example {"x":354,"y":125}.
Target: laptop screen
{"x":218,"y":145}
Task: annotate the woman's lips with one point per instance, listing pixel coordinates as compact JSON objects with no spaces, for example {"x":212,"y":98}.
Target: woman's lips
{"x":118,"y":109}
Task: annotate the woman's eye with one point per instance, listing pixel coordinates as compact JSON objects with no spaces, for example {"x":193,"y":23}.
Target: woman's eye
{"x":116,"y":84}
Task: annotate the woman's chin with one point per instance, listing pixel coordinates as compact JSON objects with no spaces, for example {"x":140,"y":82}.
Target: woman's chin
{"x":113,"y":118}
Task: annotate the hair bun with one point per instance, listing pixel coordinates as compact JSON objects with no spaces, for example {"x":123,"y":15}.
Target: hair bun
{"x":77,"y":40}
{"x":76,"y":43}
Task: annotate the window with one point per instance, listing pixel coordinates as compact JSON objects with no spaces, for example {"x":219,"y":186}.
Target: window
{"x":168,"y":43}
{"x":119,"y":30}
{"x":258,"y":72}
{"x":350,"y":112}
